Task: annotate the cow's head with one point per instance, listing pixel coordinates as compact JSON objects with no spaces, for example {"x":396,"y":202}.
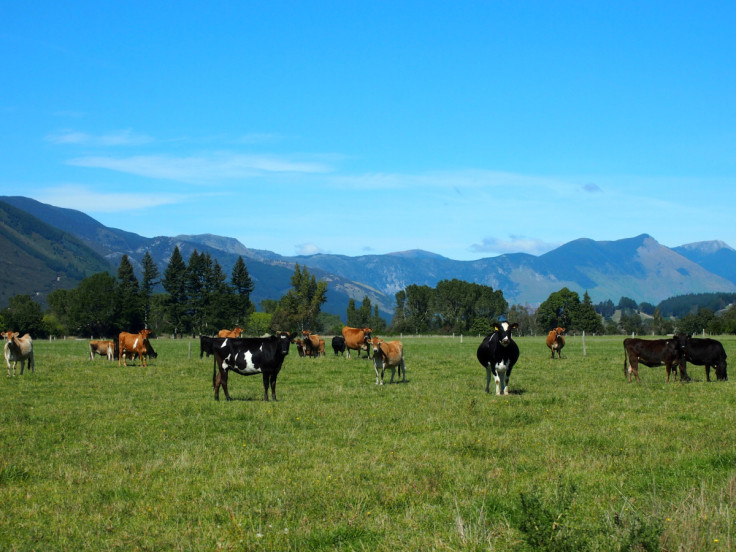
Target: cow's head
{"x":237,"y":331}
{"x":503,"y":330}
{"x":721,"y":373}
{"x":10,"y":334}
{"x":559,"y":331}
{"x":284,"y":339}
{"x":145,"y":333}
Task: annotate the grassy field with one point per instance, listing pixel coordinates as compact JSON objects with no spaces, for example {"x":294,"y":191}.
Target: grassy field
{"x":96,"y":457}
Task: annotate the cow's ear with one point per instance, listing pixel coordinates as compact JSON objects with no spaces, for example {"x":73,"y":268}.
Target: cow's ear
{"x":496,"y":326}
{"x":514,"y":326}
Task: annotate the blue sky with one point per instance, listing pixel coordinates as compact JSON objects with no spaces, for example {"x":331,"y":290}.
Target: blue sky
{"x":470,"y":129}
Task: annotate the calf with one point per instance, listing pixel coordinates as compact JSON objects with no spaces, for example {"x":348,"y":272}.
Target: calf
{"x":357,"y":339}
{"x":556,"y":342}
{"x":19,"y":349}
{"x":704,"y":352}
{"x":101,"y":347}
{"x":248,"y":356}
{"x":388,"y":354}
{"x":338,"y":345}
{"x":652,"y":352}
{"x":498,"y":353}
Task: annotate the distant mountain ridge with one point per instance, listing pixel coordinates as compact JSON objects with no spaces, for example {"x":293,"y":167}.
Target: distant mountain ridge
{"x":638,"y":267}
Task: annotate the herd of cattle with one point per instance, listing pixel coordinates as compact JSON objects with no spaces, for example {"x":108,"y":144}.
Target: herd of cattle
{"x":498,"y":353}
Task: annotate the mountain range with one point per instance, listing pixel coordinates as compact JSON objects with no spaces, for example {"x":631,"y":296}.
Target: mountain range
{"x":43,"y":247}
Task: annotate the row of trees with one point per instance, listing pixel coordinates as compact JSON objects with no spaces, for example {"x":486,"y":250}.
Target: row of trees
{"x":199,"y":299}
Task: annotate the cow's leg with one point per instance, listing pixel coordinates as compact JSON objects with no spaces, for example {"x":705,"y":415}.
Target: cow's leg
{"x":403,"y":369}
{"x":216,"y":382}
{"x":707,"y":371}
{"x":266,"y":378}
{"x":379,"y":378}
{"x":272,"y":381}
{"x":488,"y":378}
{"x":23,"y":365}
{"x":223,"y":381}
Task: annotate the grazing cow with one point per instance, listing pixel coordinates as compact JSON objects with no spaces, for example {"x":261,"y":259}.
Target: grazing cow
{"x":652,"y":352}
{"x":205,"y":345}
{"x":248,"y":356}
{"x":134,"y":344}
{"x":498,"y":353}
{"x":357,"y":339}
{"x":104,"y":348}
{"x":235,"y":332}
{"x":388,"y":354}
{"x":299,"y":347}
{"x":704,"y":352}
{"x":19,"y":349}
{"x":313,"y":344}
{"x":556,"y":342}
{"x":338,"y":345}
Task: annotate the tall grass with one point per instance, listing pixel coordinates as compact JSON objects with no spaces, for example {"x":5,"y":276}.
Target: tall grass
{"x":97,"y":457}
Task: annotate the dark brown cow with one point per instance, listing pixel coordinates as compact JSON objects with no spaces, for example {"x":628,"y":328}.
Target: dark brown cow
{"x":704,"y":352}
{"x":104,"y":348}
{"x":133,"y":343}
{"x":556,"y":342}
{"x":652,"y":352}
{"x":357,"y":339}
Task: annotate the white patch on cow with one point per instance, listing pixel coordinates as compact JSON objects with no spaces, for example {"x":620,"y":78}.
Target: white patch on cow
{"x":135,"y":343}
{"x":500,"y":377}
{"x":247,"y":366}
{"x":224,"y":344}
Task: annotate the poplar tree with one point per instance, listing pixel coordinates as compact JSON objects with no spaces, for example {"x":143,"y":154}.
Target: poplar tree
{"x":243,"y":285}
{"x":149,"y":281}
{"x":128,"y":296}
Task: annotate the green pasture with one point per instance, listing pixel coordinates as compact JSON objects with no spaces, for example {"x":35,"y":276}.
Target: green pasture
{"x":99,"y":457}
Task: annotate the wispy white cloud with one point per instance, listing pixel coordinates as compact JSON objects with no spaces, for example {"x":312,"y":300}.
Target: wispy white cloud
{"x":307,"y":249}
{"x":84,"y":199}
{"x":514,"y":244}
{"x":592,"y":188}
{"x":118,"y":138}
{"x":204,"y":168}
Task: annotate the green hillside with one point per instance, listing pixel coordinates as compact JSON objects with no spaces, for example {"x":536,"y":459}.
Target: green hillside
{"x":36,"y":258}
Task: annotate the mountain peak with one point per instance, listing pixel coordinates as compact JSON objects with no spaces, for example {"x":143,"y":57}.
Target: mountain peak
{"x":416,"y":254}
{"x":707,"y":247}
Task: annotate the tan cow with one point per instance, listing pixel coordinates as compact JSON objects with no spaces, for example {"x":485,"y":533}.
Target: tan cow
{"x":133,"y":343}
{"x":556,"y":342}
{"x":388,"y":354}
{"x":18,"y":349}
{"x":357,"y":339}
{"x":235,"y":332}
{"x":102,"y":348}
{"x":314,"y":345}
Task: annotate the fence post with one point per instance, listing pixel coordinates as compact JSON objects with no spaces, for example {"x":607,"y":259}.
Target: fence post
{"x":585,"y":353}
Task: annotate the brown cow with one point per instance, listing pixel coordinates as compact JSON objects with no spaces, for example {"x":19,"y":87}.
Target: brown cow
{"x":653,"y":352}
{"x":235,"y":332}
{"x":133,"y":343}
{"x":314,"y":345}
{"x":357,"y":339}
{"x":388,"y":354}
{"x":556,"y":342}
{"x":19,"y":349}
{"x":102,"y":348}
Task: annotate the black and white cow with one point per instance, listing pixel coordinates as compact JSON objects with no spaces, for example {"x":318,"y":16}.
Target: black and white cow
{"x":704,"y":352}
{"x":338,"y":345}
{"x":498,"y":353}
{"x":247,"y":356}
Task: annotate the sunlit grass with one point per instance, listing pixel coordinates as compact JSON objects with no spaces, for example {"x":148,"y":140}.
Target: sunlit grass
{"x":96,"y":457}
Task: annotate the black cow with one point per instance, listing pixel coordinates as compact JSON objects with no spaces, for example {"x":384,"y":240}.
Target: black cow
{"x":205,"y":345}
{"x":707,"y":352}
{"x":338,"y":345}
{"x":498,"y":353}
{"x":247,"y":356}
{"x":653,"y":352}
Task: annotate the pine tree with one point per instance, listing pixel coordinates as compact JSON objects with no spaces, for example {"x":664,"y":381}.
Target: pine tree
{"x":149,"y":281}
{"x":128,"y":296}
{"x":175,"y":284}
{"x":244,"y":286}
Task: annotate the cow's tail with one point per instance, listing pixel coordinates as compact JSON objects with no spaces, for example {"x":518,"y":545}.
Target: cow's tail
{"x":626,"y":361}
{"x":214,"y":370}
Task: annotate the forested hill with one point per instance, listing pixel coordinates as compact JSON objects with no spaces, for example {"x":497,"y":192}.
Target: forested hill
{"x":36,"y":258}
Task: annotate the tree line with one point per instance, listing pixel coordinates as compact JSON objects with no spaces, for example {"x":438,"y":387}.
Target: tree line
{"x":199,"y":299}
